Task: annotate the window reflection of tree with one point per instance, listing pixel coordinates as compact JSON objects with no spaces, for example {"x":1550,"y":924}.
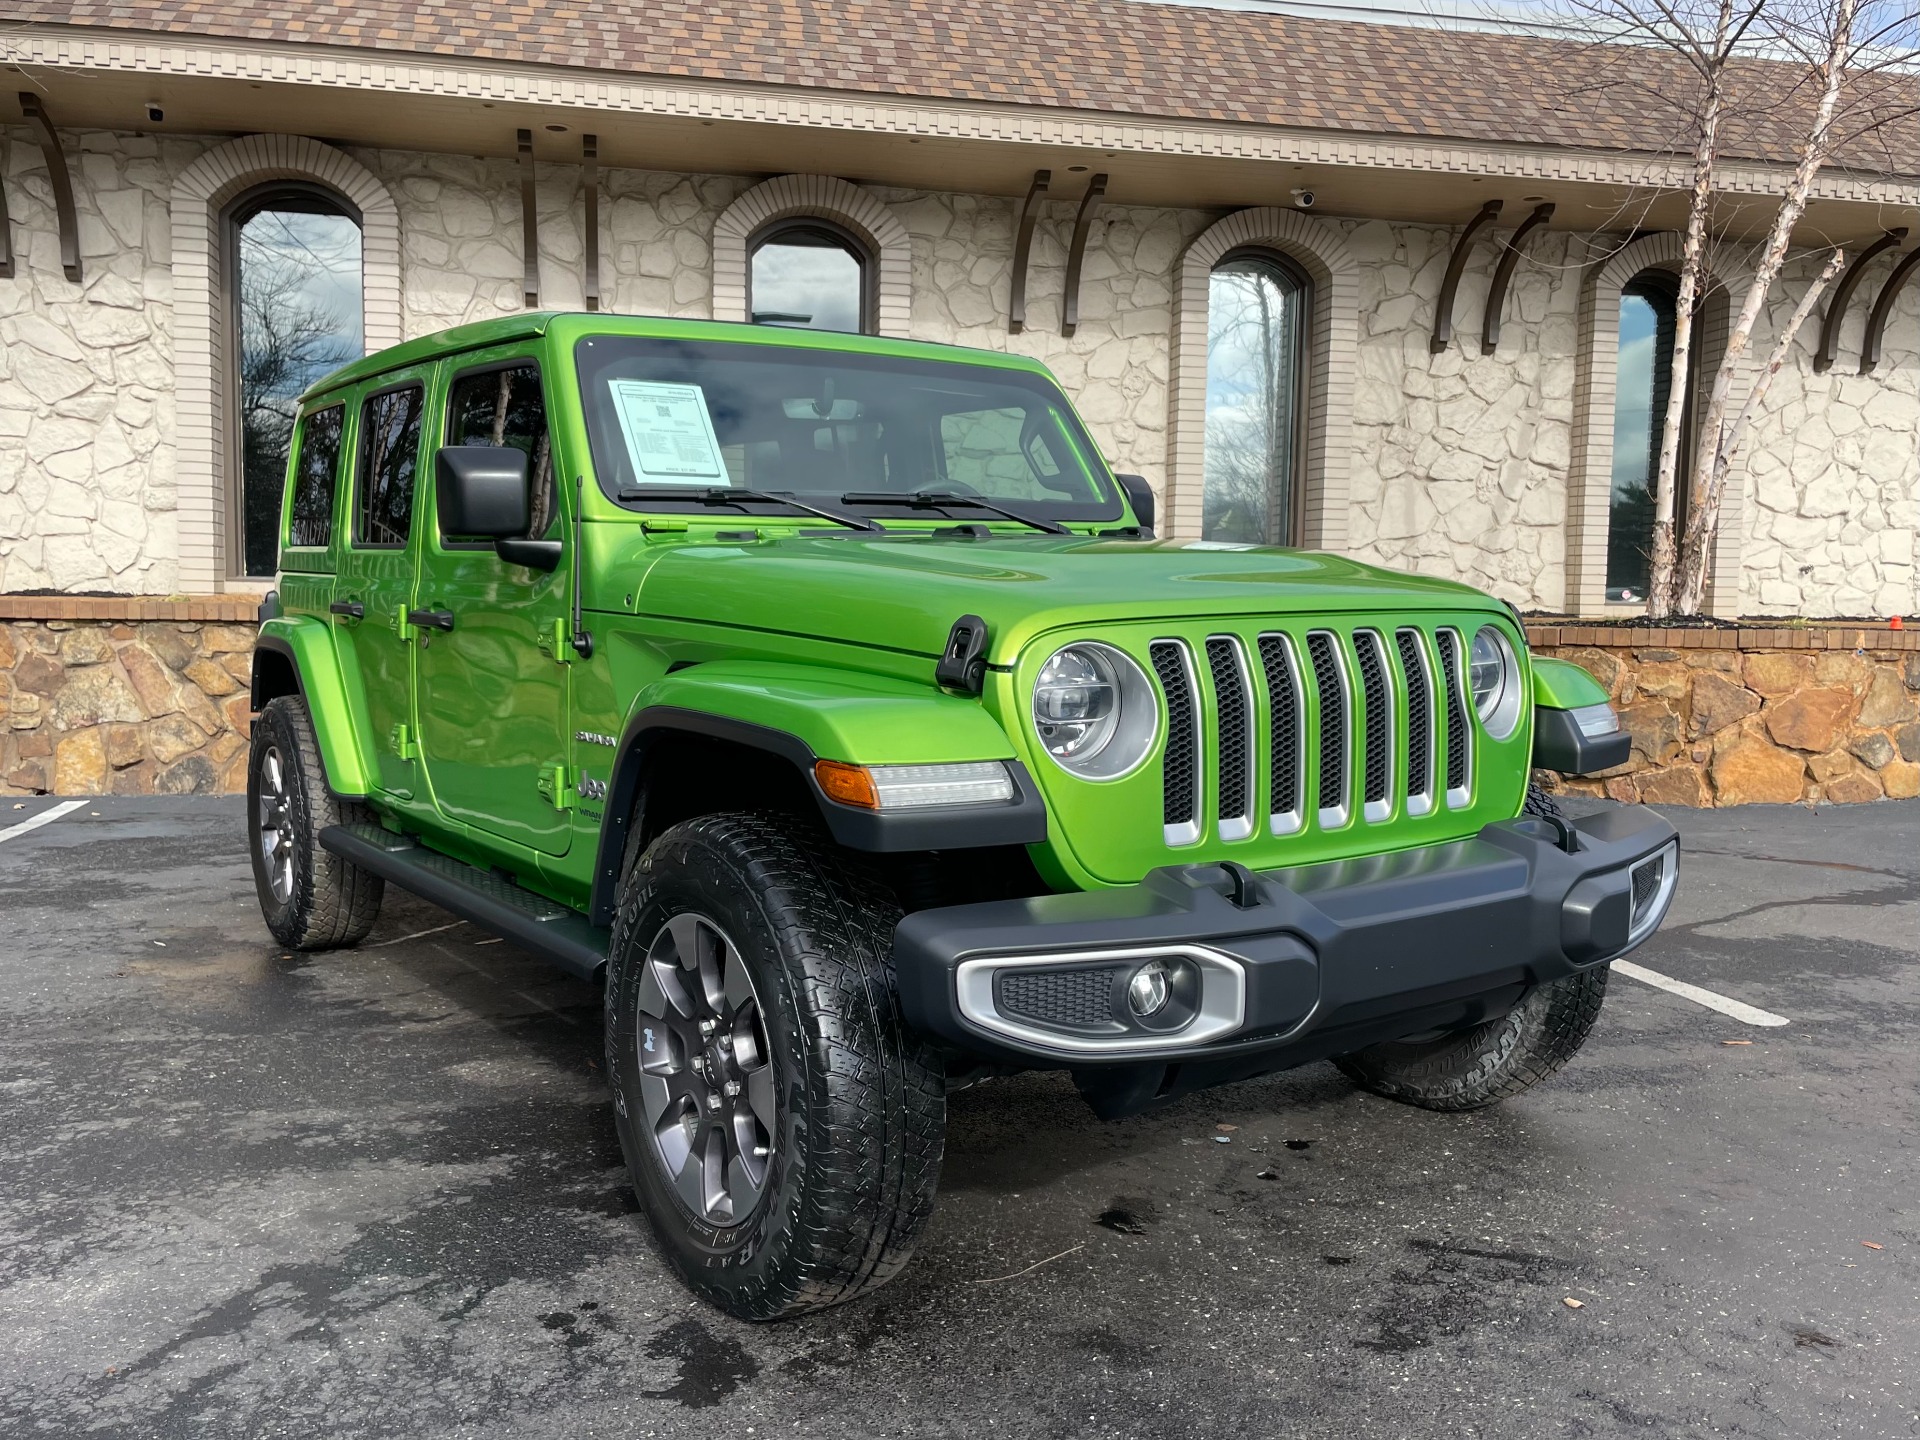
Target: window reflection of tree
{"x":1255,"y":332}
{"x":507,"y":408}
{"x":392,"y":424}
{"x":297,"y":313}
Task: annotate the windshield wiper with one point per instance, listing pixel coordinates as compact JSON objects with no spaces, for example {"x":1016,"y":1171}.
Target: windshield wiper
{"x":946,"y":499}
{"x":731,"y":495}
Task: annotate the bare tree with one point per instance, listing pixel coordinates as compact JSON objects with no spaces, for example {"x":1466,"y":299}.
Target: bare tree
{"x":1800,"y":80}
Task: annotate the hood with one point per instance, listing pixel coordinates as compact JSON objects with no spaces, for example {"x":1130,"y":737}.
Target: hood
{"x":905,"y":593}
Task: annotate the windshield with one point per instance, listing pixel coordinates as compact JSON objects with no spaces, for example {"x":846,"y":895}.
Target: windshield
{"x":670,"y":417}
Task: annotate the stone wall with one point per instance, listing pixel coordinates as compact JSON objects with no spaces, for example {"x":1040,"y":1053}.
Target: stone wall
{"x":1459,"y":466}
{"x":1835,"y":501}
{"x":87,"y":493}
{"x":1755,"y":715}
{"x":125,"y":706}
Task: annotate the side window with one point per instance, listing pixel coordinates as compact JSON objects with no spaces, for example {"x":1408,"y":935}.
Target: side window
{"x":389,"y":458}
{"x":507,"y":407}
{"x":313,"y":478}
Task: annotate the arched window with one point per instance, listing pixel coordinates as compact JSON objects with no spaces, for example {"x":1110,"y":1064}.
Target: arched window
{"x":811,"y":275}
{"x":294,"y":254}
{"x":1258,"y":309}
{"x":1643,"y":381}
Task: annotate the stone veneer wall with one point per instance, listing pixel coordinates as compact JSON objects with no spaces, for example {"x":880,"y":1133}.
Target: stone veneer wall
{"x":1459,"y":461}
{"x":1783,"y":715}
{"x":110,"y":699}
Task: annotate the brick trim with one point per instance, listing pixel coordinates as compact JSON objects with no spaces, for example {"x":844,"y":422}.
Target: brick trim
{"x":1322,"y":252}
{"x":1549,"y":635}
{"x":200,"y":293}
{"x":211,"y":609}
{"x":822,"y":197}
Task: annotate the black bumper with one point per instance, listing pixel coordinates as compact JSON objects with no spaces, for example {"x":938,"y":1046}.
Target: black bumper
{"x":1331,"y":957}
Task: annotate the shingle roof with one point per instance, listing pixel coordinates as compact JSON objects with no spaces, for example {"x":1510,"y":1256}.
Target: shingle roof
{"x":1113,"y":56}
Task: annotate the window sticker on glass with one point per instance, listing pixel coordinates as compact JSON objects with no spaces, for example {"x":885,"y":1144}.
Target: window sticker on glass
{"x":669,"y":433}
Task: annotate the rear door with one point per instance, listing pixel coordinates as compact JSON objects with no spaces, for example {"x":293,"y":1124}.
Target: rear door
{"x":492,"y":690}
{"x":374,"y":592}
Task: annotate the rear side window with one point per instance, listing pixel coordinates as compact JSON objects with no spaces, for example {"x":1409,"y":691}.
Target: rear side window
{"x":311,"y":523}
{"x":506,"y":407}
{"x":389,"y":458}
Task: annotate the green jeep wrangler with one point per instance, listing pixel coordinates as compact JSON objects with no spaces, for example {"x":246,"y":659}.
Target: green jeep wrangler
{"x":831,"y":700}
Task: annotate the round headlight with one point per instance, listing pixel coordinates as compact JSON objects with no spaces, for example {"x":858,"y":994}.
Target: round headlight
{"x":1094,"y":711}
{"x":1493,"y":675}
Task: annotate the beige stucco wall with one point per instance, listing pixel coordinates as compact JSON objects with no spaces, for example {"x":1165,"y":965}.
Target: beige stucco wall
{"x":1459,"y":462}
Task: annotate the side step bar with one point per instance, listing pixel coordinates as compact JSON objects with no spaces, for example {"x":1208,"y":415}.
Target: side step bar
{"x":533,"y":922}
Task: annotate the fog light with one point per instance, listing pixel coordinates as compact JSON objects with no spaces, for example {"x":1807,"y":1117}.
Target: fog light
{"x":1149,"y":989}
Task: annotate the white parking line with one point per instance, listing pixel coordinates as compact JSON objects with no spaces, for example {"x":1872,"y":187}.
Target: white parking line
{"x":1746,"y":1014}
{"x":45,"y":817}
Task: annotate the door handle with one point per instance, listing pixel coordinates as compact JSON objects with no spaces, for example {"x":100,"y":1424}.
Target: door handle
{"x":352,"y":609}
{"x":431,"y":619}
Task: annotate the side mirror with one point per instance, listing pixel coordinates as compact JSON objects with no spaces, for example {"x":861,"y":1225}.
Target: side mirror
{"x":1140,"y":496}
{"x":482,"y":492}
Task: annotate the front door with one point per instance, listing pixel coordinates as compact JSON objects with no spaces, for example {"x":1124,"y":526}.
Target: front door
{"x":492,"y":690}
{"x":375,"y":585}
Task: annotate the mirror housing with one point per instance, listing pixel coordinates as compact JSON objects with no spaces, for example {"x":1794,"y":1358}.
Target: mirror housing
{"x":1140,"y":496}
{"x":481,"y":492}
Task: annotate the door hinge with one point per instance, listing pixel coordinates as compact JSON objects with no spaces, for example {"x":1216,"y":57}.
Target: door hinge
{"x":402,"y":740}
{"x":556,"y":641}
{"x":555,"y":784}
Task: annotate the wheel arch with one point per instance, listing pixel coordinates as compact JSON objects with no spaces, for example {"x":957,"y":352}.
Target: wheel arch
{"x":295,"y":656}
{"x":781,"y":763}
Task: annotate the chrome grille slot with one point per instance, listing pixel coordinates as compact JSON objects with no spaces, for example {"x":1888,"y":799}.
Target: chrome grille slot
{"x":1336,"y":741}
{"x":1418,"y":679}
{"x":1184,"y":769}
{"x":1376,"y":693}
{"x":1286,"y":726}
{"x":1233,"y":706}
{"x":1452,"y":668}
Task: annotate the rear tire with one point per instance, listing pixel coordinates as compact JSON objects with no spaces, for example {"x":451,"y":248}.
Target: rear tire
{"x":1477,"y":1067}
{"x":751,"y":1007}
{"x":311,"y":898}
{"x":1489,"y":1062}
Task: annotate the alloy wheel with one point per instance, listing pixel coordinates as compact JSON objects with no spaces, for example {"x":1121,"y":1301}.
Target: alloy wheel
{"x":706,"y":1081}
{"x":276,"y":825}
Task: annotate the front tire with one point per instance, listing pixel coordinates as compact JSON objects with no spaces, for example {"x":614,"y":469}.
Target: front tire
{"x":751,"y":1007}
{"x":311,"y":898}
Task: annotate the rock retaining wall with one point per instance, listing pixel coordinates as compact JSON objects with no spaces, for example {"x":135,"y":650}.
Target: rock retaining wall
{"x":1780,"y":715}
{"x":102,"y":702}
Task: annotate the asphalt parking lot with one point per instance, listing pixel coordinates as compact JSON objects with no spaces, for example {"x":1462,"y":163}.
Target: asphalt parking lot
{"x":378,"y":1193}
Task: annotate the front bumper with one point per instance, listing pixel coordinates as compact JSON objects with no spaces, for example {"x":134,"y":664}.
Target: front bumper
{"x":1290,"y":965}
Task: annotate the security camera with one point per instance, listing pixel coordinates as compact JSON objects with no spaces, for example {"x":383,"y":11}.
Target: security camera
{"x":1303,"y":199}
{"x":154,"y":112}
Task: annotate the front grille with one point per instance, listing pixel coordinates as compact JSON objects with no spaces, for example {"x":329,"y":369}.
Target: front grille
{"x":1285,"y":726}
{"x":1233,"y":709}
{"x":1376,"y":700}
{"x":1078,"y":999}
{"x":1413,"y":665}
{"x":1330,"y":690}
{"x":1182,"y":767}
{"x":1312,"y":731}
{"x":1451,"y":666}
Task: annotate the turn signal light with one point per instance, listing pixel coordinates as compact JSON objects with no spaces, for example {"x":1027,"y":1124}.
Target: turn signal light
{"x":914,"y":787}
